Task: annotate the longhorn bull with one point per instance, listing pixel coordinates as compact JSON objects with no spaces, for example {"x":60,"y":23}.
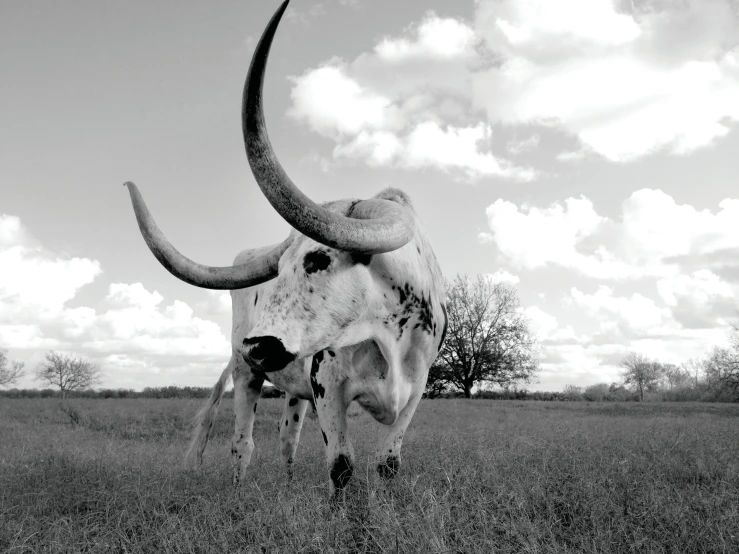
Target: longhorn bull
{"x":350,"y":307}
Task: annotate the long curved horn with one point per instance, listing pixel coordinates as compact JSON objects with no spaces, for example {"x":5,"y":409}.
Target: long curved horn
{"x":394,"y":226}
{"x":260,"y":264}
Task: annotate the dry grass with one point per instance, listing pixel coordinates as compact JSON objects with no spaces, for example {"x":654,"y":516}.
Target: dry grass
{"x":478,"y":476}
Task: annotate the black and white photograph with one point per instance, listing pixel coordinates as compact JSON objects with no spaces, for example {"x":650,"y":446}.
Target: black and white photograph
{"x":369,"y":276}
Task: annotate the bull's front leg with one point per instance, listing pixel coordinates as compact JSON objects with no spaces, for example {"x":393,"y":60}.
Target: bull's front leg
{"x":290,"y":425}
{"x":327,"y":382}
{"x":388,"y":451}
{"x":247,"y":388}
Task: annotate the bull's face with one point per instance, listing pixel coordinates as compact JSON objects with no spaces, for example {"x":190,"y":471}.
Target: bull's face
{"x":318,"y":297}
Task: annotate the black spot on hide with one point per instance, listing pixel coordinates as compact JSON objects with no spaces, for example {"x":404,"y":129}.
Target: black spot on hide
{"x":318,"y":389}
{"x":266,"y":353}
{"x":446,"y":322}
{"x":256,"y":297}
{"x":296,"y":418}
{"x":292,"y":402}
{"x":317,"y":260}
{"x":325,"y":440}
{"x":411,"y":304}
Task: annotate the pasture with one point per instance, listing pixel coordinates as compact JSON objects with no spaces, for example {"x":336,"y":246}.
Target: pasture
{"x":477,"y":476}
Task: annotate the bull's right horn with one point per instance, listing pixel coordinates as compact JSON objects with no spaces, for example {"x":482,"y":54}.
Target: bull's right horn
{"x":392,"y":227}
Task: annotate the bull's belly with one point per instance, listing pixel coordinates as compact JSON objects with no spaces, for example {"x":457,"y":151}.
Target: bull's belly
{"x":294,"y":380}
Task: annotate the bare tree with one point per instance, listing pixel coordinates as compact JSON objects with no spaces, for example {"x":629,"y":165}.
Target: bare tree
{"x":641,"y":372}
{"x":10,"y":371}
{"x":68,"y":373}
{"x":693,"y":368}
{"x":721,"y":368}
{"x":675,"y":376}
{"x":487,"y":341}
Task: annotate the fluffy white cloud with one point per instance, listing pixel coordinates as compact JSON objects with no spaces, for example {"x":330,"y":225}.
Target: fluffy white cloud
{"x":700,"y":287}
{"x":419,"y":120}
{"x":430,"y":145}
{"x":534,"y":21}
{"x":130,"y":324}
{"x":654,"y":226}
{"x":640,"y":313}
{"x":652,"y":233}
{"x":33,"y":278}
{"x":334,"y":104}
{"x":434,"y":37}
{"x":534,"y":237}
{"x":624,"y":83}
{"x":503,"y":276}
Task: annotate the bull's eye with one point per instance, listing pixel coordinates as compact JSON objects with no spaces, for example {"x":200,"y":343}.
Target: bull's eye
{"x":317,"y":260}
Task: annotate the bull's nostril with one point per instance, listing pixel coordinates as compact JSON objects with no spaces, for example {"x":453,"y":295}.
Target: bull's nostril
{"x":266,"y":353}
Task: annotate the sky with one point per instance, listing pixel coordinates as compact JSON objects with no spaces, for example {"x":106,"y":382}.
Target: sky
{"x":583,"y":151}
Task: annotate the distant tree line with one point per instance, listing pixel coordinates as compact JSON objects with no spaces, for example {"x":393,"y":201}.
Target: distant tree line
{"x":712,"y":378}
{"x":171,"y":391}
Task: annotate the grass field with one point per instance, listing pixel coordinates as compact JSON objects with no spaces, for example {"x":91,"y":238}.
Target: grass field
{"x":477,"y":476}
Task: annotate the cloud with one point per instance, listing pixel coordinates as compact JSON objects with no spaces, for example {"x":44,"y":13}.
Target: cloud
{"x":699,"y":299}
{"x":503,"y":276}
{"x":637,"y":312}
{"x":32,"y":278}
{"x":433,"y":38}
{"x":547,"y":329}
{"x":335,"y":105}
{"x":430,"y":145}
{"x":624,"y":84}
{"x":419,"y":121}
{"x":130,"y":324}
{"x":653,"y":233}
{"x":217,"y":302}
{"x":535,"y":237}
{"x":516,"y":147}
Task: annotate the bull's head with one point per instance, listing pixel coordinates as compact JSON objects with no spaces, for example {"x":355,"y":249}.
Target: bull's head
{"x":322,"y":275}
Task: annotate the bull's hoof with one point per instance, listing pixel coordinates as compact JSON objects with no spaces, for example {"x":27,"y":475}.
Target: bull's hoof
{"x":389,"y":468}
{"x":341,"y":472}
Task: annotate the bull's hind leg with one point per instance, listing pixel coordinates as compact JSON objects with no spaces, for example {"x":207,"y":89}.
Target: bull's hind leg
{"x":247,"y":389}
{"x":388,"y":452}
{"x":290,"y":426}
{"x":327,"y":383}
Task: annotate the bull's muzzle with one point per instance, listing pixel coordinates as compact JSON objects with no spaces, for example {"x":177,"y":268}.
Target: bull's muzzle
{"x":266,"y":353}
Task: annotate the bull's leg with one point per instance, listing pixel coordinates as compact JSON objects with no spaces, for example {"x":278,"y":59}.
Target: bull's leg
{"x":327,"y":383}
{"x":247,"y":389}
{"x":388,"y":451}
{"x":290,"y":426}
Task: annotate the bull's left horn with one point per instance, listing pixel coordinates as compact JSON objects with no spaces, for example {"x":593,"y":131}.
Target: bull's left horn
{"x":392,"y":227}
{"x":261,"y":264}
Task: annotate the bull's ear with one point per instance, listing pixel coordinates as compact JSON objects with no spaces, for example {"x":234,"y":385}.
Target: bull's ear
{"x":358,"y":258}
